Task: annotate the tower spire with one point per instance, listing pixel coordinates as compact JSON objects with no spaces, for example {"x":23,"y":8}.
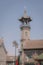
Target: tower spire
{"x":25,"y":12}
{"x":25,"y":27}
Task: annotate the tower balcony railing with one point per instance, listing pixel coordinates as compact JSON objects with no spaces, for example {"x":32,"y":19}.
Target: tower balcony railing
{"x":25,"y":25}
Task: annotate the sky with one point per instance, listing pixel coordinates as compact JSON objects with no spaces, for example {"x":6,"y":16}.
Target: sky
{"x":10,"y":12}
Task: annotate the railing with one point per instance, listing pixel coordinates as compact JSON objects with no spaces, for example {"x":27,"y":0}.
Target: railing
{"x":25,"y":25}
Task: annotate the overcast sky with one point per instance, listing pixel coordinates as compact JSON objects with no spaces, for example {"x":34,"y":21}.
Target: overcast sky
{"x":11,"y":11}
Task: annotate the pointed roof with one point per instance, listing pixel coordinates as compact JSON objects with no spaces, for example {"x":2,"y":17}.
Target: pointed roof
{"x":25,"y":14}
{"x":1,"y":41}
{"x":35,"y":55}
{"x":40,"y":57}
{"x":2,"y":44}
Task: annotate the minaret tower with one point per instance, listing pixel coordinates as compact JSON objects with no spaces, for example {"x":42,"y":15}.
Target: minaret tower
{"x":25,"y":32}
{"x":25,"y":27}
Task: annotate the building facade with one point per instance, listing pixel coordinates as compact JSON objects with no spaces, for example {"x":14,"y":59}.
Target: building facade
{"x":5,"y":59}
{"x":31,"y":49}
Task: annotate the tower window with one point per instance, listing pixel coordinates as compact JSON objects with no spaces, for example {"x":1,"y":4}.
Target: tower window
{"x":26,"y":33}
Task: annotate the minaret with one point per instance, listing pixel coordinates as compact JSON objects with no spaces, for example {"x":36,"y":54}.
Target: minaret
{"x":25,"y":27}
{"x":25,"y":32}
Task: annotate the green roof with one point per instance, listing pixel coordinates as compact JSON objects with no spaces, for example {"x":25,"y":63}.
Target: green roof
{"x":40,"y":56}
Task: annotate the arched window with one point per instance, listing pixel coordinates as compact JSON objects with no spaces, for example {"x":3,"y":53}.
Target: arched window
{"x":26,"y":33}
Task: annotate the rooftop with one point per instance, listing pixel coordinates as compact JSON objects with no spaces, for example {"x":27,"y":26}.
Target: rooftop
{"x":33,"y":44}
